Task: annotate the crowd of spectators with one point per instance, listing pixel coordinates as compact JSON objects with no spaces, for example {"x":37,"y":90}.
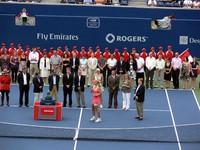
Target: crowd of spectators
{"x":174,"y":3}
{"x":164,"y":64}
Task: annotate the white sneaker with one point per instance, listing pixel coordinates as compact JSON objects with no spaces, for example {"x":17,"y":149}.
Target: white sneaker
{"x":98,"y":120}
{"x":93,"y":118}
{"x":126,"y":108}
{"x":123,"y":108}
{"x":101,"y":106}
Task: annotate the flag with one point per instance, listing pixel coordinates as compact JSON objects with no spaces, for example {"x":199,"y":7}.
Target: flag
{"x":184,"y":54}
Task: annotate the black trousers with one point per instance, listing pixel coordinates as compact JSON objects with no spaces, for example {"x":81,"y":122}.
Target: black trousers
{"x":7,"y":95}
{"x":113,"y":93}
{"x":22,"y":90}
{"x":14,"y":74}
{"x":149,"y":74}
{"x":139,"y":75}
{"x":175,"y":76}
{"x":67,"y":91}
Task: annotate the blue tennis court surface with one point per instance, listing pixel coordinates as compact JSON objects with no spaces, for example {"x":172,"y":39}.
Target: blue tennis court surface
{"x":171,"y":121}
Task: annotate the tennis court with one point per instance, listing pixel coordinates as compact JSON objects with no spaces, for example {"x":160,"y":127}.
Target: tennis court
{"x":171,"y":121}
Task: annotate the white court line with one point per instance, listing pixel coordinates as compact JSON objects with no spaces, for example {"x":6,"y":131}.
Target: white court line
{"x":196,"y":99}
{"x":73,"y":128}
{"x":77,"y":130}
{"x":173,"y":120}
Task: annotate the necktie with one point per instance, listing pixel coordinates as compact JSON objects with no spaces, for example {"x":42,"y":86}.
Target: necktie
{"x":45,"y":63}
{"x":39,"y":80}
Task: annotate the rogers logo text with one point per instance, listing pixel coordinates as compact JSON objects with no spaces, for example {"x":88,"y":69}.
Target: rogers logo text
{"x":110,"y":38}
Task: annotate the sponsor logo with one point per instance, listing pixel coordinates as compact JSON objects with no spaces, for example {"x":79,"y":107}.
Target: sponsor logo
{"x":93,"y":22}
{"x":110,"y":38}
{"x":58,"y":37}
{"x":185,"y":40}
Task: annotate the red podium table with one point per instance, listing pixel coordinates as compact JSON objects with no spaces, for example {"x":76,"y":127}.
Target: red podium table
{"x":47,"y":112}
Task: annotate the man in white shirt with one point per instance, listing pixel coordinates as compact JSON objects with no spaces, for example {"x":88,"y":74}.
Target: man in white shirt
{"x":159,"y":73}
{"x":140,"y":68}
{"x":92,"y":65}
{"x":33,"y":58}
{"x":150,"y":66}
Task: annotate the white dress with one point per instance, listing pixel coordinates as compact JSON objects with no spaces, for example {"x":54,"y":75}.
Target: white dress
{"x":44,"y":70}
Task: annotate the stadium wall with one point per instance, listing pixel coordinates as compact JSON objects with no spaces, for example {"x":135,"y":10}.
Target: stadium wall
{"x":105,"y":26}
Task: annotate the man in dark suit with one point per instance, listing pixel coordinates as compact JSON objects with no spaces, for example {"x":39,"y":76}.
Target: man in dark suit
{"x":38,"y":87}
{"x":23,"y":80}
{"x":139,"y":96}
{"x":54,"y":84}
{"x":74,"y":64}
{"x":113,"y":87}
{"x":67,"y":87}
{"x":79,"y":83}
{"x":121,"y":68}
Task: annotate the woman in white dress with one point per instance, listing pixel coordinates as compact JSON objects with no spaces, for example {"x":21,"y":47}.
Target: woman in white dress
{"x":44,"y":67}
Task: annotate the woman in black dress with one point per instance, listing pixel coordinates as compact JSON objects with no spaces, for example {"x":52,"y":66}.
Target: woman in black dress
{"x":65,"y":63}
{"x":193,"y":72}
{"x":167,"y":75}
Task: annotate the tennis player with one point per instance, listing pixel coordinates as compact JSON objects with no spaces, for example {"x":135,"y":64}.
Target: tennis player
{"x":96,"y":101}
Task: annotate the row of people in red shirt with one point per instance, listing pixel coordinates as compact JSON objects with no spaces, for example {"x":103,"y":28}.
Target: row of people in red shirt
{"x":168,"y":54}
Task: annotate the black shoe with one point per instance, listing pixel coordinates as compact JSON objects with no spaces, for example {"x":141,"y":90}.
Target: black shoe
{"x":2,"y":105}
{"x":8,"y":105}
{"x":84,"y":107}
{"x":70,"y":106}
{"x":26,"y":105}
{"x":109,"y":106}
{"x":64,"y":106}
{"x":147,"y":87}
{"x":151,"y":87}
{"x":20,"y":105}
{"x":137,"y":117}
{"x":78,"y":106}
{"x":140,"y":118}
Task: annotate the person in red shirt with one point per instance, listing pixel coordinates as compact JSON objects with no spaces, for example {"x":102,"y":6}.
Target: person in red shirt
{"x":169,"y":54}
{"x":161,"y":52}
{"x":153,"y":52}
{"x":67,"y":52}
{"x":50,"y":53}
{"x":125,"y":54}
{"x":5,"y":81}
{"x":116,"y":54}
{"x":3,"y":48}
{"x":11,"y":49}
{"x":75,"y":51}
{"x":59,"y":51}
{"x":44,"y":51}
{"x":143,"y":54}
{"x":40,"y":53}
{"x":90,"y":51}
{"x":97,"y":53}
{"x":82,"y":52}
{"x":106,"y":54}
{"x":19,"y":50}
{"x":133,"y":52}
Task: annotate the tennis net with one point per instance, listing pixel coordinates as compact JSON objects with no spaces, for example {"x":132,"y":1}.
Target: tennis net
{"x":187,"y":133}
